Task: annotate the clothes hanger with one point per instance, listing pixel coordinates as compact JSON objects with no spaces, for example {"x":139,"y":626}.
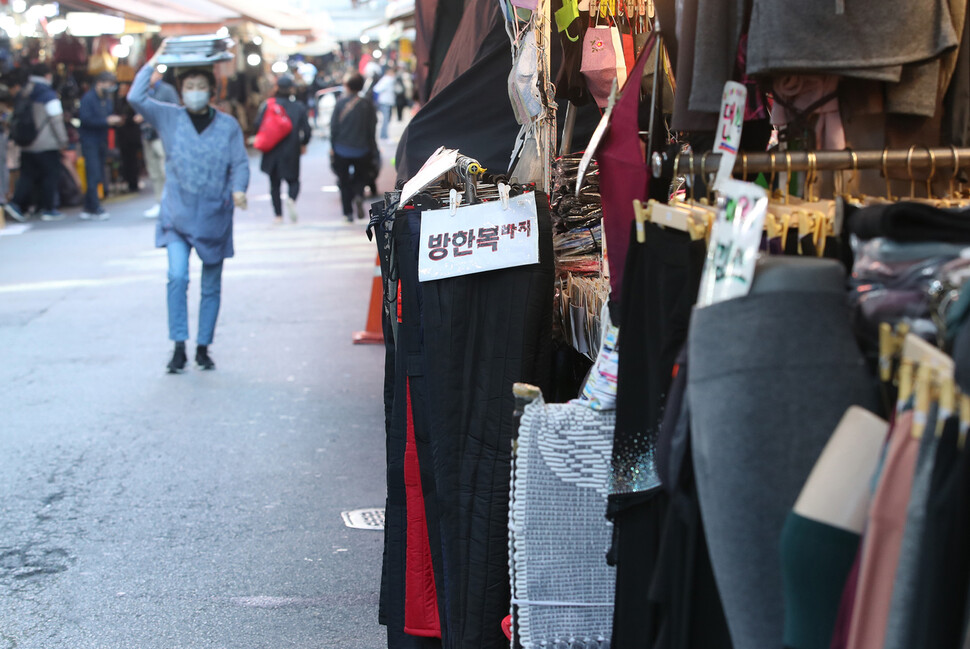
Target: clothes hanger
{"x":676,"y":215}
{"x":948,"y":397}
{"x":824,"y":209}
{"x":797,"y":214}
{"x":922,"y":353}
{"x":930,"y":199}
{"x":952,"y":193}
{"x":888,"y":198}
{"x":933,"y":367}
{"x":904,"y":380}
{"x":776,"y":221}
{"x":702,"y":213}
{"x":922,"y":388}
{"x":891,"y":339}
{"x":957,"y":193}
{"x":688,"y":216}
{"x":810,"y":219}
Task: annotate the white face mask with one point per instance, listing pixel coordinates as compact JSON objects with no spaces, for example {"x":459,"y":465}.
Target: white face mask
{"x":195,"y":99}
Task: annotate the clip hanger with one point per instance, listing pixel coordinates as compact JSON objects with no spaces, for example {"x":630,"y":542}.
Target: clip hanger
{"x":922,"y":353}
{"x":921,"y":407}
{"x":948,"y":397}
{"x":504,"y":192}
{"x":454,"y":200}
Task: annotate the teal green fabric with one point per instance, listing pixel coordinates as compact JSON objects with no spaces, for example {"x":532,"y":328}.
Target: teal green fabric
{"x":815,"y":559}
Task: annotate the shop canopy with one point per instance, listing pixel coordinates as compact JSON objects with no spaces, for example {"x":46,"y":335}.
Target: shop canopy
{"x":276,"y":14}
{"x":464,"y":112}
{"x":209,"y":13}
{"x":161,"y":12}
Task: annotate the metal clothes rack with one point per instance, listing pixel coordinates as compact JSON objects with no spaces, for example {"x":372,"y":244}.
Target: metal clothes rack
{"x":929,"y":160}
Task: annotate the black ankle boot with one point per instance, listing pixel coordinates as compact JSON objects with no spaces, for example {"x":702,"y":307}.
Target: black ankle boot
{"x":202,"y":358}
{"x":177,"y":364}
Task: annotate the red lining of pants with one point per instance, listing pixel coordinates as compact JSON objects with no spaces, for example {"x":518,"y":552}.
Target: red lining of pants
{"x":420,"y":594}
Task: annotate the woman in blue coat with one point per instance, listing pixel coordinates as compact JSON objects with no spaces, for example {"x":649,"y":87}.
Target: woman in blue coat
{"x":206,"y":177}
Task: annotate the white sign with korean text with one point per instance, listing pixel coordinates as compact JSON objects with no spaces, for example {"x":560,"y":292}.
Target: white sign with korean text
{"x":478,"y":238}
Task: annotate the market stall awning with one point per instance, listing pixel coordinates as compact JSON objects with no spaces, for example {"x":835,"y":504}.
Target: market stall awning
{"x":160,"y":12}
{"x":276,"y":14}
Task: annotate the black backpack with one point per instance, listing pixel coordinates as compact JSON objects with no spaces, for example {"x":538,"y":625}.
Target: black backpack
{"x":23,"y":129}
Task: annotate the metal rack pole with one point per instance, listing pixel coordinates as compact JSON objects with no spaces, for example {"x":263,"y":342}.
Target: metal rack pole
{"x":547,"y":127}
{"x":929,"y":161}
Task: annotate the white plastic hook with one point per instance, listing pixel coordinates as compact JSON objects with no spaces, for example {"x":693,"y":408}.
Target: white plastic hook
{"x":504,"y":192}
{"x":454,"y":200}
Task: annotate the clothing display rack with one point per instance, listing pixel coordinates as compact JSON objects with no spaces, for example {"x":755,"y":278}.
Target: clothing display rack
{"x":645,"y":492}
{"x":933,"y":159}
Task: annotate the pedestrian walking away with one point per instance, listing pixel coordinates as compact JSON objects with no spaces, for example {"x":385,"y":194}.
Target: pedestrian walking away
{"x":152,"y":148}
{"x":97,"y":115}
{"x":282,"y":162}
{"x":128,"y":141}
{"x":37,"y":125}
{"x":353,"y":142}
{"x":206,"y":178}
{"x":403,"y":90}
{"x":386,"y":92}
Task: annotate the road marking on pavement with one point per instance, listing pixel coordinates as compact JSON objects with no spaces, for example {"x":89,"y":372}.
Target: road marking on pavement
{"x":364,"y":519}
{"x":17,"y":228}
{"x":74,"y":283}
{"x":268,"y":601}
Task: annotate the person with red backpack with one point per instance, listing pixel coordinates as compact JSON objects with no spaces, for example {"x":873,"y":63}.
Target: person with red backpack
{"x":283,"y":131}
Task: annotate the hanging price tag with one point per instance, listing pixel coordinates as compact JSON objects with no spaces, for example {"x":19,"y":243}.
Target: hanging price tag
{"x":735,"y":241}
{"x":729,"y":126}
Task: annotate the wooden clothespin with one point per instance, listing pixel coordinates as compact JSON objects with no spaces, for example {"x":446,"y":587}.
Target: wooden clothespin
{"x":677,"y":216}
{"x":922,"y":353}
{"x":781,"y":218}
{"x":700,"y":224}
{"x":670,"y":216}
{"x":948,"y":397}
{"x":826,"y":229}
{"x":935,"y":366}
{"x":904,"y":378}
{"x":641,"y":215}
{"x":923,"y":388}
{"x":888,"y":349}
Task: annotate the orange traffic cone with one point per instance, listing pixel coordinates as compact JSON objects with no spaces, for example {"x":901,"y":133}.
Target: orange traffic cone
{"x":374,"y":333}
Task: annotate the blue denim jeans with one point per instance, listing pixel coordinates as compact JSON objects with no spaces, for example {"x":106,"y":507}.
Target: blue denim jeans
{"x":385,"y":119}
{"x":178,"y":289}
{"x":95,"y":152}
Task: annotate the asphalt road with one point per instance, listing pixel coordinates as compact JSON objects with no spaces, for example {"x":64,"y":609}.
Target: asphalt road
{"x":140,"y":510}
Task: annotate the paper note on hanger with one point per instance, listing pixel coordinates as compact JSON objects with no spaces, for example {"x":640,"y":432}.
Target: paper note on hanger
{"x":735,"y":242}
{"x":441,"y":162}
{"x":478,"y":238}
{"x":729,"y":126}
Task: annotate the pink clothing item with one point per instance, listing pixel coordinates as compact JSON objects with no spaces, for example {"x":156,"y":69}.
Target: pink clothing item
{"x":796,"y":94}
{"x":599,"y":63}
{"x":884,"y":538}
{"x":843,"y":623}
